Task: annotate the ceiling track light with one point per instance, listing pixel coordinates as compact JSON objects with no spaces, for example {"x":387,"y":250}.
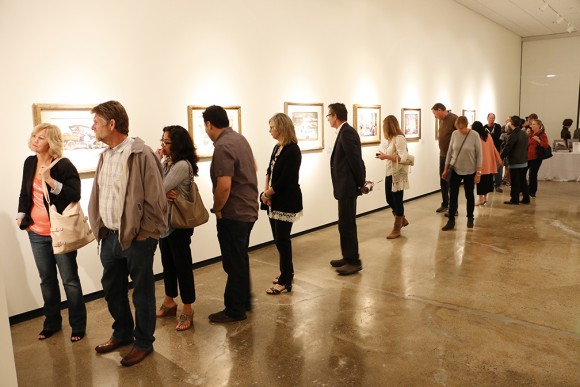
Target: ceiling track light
{"x":559,"y":20}
{"x":544,"y":7}
{"x":570,"y":29}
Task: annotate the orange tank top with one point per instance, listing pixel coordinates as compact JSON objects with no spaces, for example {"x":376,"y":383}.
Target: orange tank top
{"x":40,"y":220}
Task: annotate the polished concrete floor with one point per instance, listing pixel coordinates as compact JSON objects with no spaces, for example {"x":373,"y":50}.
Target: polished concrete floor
{"x":496,"y":305}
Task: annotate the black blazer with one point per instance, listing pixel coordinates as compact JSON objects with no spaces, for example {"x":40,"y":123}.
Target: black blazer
{"x":516,"y":147}
{"x":284,"y":179}
{"x":65,"y":172}
{"x":347,"y":168}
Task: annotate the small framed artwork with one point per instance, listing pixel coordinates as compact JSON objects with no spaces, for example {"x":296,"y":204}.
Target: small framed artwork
{"x":470,"y":115}
{"x":437,"y":128}
{"x":308,"y":119}
{"x":196,"y":125}
{"x":75,"y":123}
{"x":411,"y":123}
{"x":367,"y":122}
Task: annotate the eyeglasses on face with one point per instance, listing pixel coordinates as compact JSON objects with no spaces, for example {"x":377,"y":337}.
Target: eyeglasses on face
{"x":163,"y":142}
{"x":329,"y":114}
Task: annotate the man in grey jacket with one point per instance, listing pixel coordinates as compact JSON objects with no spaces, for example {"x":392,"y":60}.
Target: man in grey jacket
{"x":127,"y":211}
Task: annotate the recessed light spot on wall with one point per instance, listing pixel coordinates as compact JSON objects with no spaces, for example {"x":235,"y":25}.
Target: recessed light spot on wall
{"x":551,"y":76}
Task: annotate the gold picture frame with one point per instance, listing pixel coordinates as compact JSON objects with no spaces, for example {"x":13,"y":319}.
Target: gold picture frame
{"x":75,"y":122}
{"x":197,"y":132}
{"x":367,"y":122}
{"x":411,"y":123}
{"x":308,"y":119}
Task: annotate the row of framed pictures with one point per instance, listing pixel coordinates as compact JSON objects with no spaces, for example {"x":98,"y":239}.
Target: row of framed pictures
{"x":82,"y":148}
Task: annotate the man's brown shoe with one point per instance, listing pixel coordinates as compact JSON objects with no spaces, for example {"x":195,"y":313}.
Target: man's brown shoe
{"x":111,"y":345}
{"x":349,"y":269}
{"x":338,"y":262}
{"x":135,"y":356}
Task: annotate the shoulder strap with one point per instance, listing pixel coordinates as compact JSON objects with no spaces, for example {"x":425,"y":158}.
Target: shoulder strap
{"x":46,"y":196}
{"x":461,"y":147}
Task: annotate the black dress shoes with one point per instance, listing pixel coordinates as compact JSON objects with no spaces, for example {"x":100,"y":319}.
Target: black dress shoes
{"x":223,"y":317}
{"x":525,"y":201}
{"x":338,"y":262}
{"x":348,"y":269}
{"x":511,"y":203}
{"x":442,"y":209}
{"x":135,"y":356}
{"x":111,"y":345}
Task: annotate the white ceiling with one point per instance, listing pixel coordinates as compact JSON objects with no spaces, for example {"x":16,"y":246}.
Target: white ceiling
{"x":530,"y":18}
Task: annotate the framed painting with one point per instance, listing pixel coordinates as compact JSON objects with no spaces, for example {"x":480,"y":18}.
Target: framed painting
{"x":75,"y":123}
{"x":308,"y":119}
{"x":200,"y":138}
{"x":411,"y":123}
{"x":367,"y":122}
{"x":470,"y":115}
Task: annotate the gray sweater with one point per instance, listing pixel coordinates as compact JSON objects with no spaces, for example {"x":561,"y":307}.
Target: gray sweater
{"x":470,"y":158}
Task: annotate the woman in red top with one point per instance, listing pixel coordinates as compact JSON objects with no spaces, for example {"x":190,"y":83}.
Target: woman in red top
{"x":537,"y":138}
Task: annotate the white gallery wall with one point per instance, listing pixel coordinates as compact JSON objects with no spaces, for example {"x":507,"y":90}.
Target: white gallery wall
{"x":552,"y":98}
{"x":158,"y":57}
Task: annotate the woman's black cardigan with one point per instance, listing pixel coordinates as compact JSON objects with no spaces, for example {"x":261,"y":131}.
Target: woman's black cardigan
{"x":284,"y":179}
{"x":64,"y":172}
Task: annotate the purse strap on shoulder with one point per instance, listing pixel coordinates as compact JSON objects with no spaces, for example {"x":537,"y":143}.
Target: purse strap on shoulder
{"x":47,"y":197}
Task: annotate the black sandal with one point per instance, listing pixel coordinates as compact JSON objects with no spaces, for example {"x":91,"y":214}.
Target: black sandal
{"x":46,"y":333}
{"x":77,"y":336}
{"x":273,"y":291}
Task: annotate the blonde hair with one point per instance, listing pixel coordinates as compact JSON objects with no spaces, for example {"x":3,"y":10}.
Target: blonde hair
{"x":285,"y":128}
{"x":540,"y":123}
{"x":52,"y":136}
{"x":461,"y":120}
{"x":391,"y":127}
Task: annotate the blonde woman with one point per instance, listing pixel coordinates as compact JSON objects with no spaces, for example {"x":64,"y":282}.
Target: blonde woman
{"x":64,"y":186}
{"x":282,"y":195}
{"x":397,"y":175}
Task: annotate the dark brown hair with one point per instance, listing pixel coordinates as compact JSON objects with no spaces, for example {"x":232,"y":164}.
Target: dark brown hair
{"x":113,"y":110}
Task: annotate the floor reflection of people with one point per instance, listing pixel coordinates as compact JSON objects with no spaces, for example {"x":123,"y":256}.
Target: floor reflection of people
{"x":284,"y":341}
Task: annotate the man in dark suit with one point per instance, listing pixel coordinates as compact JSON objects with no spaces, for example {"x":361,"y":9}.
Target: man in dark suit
{"x":347,"y":170}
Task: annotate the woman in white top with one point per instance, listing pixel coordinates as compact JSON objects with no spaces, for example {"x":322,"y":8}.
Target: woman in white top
{"x":397,"y":175}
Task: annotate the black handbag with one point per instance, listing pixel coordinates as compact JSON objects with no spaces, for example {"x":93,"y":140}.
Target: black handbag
{"x":543,"y":153}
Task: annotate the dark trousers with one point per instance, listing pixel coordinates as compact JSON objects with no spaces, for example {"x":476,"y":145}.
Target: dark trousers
{"x":136,"y":261}
{"x":177,"y":264}
{"x":498,"y":177}
{"x":281,"y":233}
{"x":534,"y":167}
{"x":519,"y":185}
{"x":347,"y":230}
{"x":394,"y":199}
{"x":234,"y":239}
{"x":468,"y":183}
{"x":47,"y":262}
{"x":443,"y":183}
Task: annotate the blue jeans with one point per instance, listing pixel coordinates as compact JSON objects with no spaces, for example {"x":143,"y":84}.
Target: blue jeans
{"x":46,"y":263}
{"x":136,"y":261}
{"x":234,"y":239}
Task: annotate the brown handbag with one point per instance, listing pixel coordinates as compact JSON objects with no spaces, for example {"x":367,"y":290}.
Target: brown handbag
{"x":70,"y":230}
{"x":186,"y":213}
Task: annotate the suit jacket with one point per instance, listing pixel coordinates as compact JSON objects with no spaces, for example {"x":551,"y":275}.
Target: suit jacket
{"x":516,"y":147}
{"x":347,"y":168}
